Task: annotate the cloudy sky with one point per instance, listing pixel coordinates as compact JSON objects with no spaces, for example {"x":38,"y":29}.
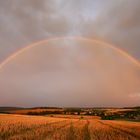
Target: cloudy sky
{"x":80,"y":74}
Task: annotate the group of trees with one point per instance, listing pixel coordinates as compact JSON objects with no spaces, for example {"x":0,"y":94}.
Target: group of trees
{"x":128,"y":115}
{"x":43,"y":112}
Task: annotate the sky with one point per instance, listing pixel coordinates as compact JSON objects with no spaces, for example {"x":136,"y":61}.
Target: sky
{"x":81,"y":73}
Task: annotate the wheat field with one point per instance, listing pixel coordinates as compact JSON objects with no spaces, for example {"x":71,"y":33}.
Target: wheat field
{"x":23,"y":127}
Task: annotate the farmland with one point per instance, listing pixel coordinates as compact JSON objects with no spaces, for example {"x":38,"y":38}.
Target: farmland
{"x":65,"y":127}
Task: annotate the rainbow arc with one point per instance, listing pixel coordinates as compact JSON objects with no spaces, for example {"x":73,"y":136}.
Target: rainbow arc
{"x":26,"y":48}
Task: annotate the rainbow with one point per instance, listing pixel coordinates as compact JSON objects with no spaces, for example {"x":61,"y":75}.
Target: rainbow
{"x":14,"y":55}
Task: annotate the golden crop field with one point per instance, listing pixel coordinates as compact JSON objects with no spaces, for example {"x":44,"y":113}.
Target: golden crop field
{"x":23,"y":127}
{"x":25,"y":111}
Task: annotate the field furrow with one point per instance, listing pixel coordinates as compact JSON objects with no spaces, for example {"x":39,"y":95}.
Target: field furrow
{"x":130,"y":131}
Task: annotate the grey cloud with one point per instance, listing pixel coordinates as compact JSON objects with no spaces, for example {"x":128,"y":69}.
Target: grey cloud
{"x":24,"y":22}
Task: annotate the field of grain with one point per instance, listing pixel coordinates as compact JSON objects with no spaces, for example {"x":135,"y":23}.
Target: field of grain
{"x":22,"y":127}
{"x":25,"y":111}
